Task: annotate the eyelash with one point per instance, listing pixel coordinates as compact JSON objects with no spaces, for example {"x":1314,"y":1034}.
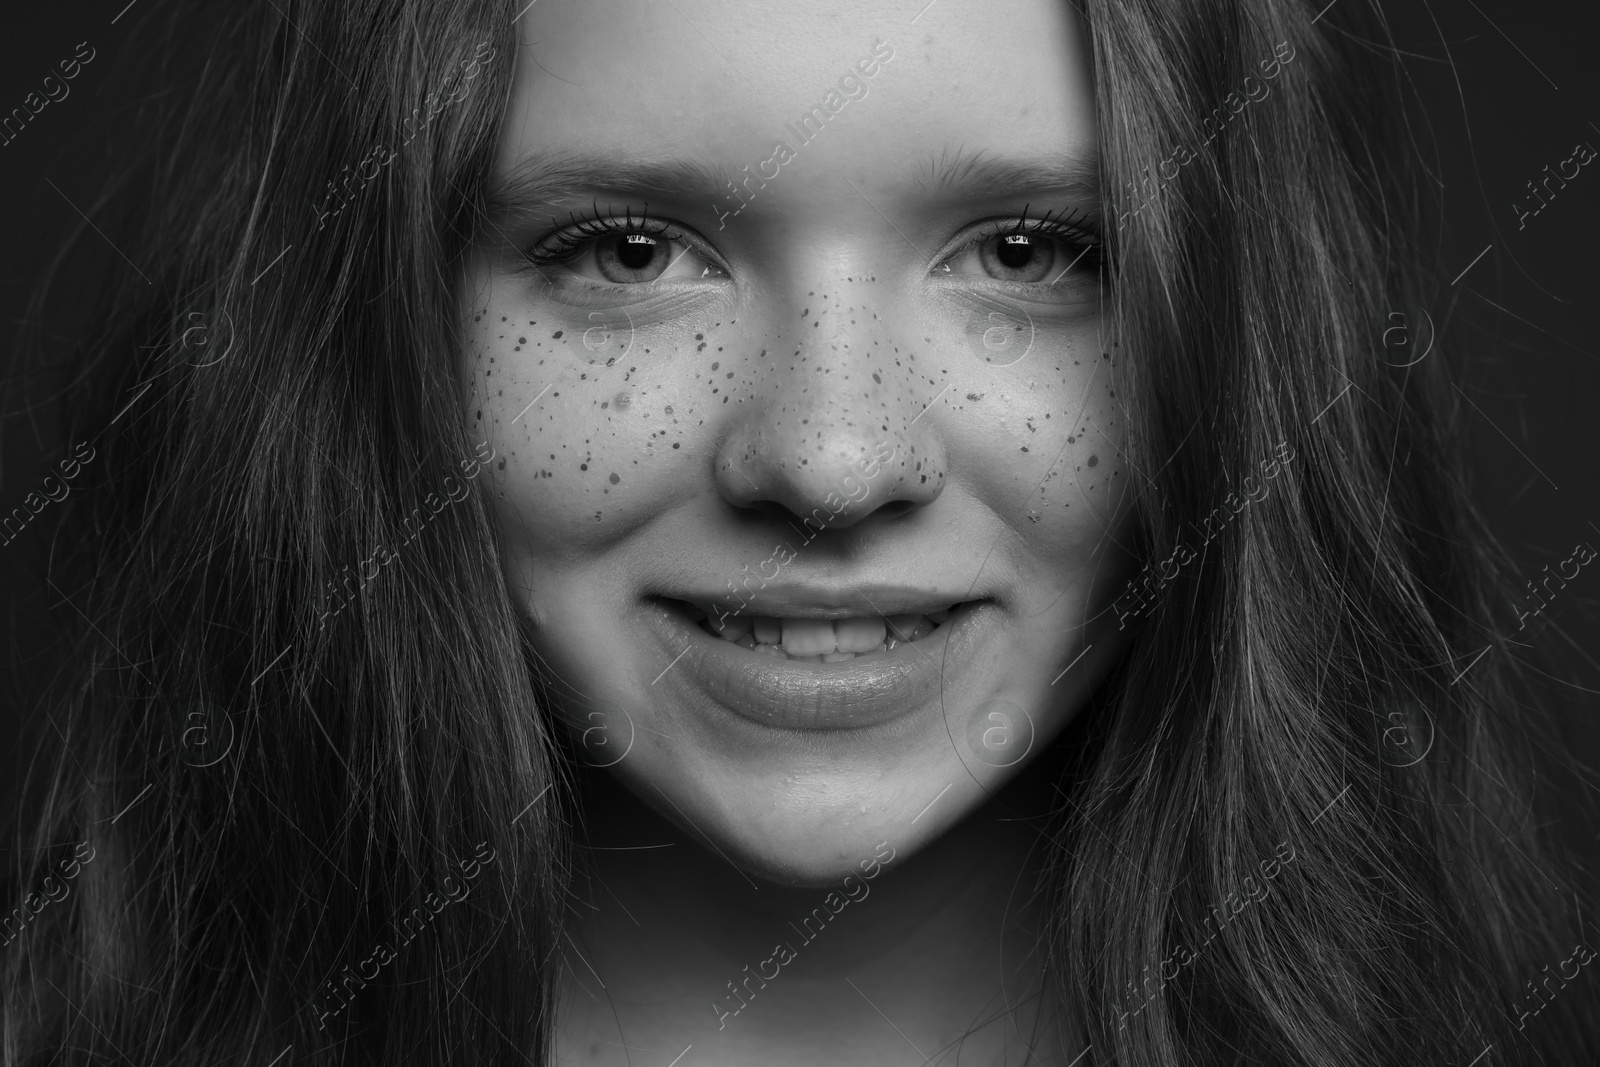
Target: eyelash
{"x":1069,"y":227}
{"x":561,"y":245}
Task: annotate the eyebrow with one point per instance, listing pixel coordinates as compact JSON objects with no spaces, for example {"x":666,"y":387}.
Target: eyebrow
{"x":1077,"y":176}
{"x":549,"y":179}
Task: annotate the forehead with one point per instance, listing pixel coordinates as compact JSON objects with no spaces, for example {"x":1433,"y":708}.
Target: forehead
{"x":717,"y":83}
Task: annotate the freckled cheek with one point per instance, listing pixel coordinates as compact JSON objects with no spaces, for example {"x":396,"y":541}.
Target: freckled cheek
{"x":1059,"y":477}
{"x":574,"y":477}
{"x":588,"y":452}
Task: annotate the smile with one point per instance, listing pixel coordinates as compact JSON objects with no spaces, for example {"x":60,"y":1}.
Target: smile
{"x":815,"y":668}
{"x":820,"y":640}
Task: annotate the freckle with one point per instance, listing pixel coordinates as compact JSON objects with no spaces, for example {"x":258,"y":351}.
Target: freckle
{"x":557,"y":335}
{"x":1071,"y":439}
{"x":675,"y":444}
{"x":522,"y":340}
{"x":583,"y":466}
{"x":1093,"y":460}
{"x":615,"y":479}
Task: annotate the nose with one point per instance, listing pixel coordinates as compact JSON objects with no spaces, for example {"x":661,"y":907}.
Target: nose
{"x":838,"y":429}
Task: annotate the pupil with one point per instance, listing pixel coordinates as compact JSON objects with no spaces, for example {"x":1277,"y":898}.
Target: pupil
{"x":636,"y":251}
{"x":1015,"y":251}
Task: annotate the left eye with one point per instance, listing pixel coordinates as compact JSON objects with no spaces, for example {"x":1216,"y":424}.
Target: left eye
{"x":632,"y":257}
{"x":1018,"y":257}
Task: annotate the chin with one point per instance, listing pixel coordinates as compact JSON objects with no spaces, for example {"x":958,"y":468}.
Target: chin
{"x":796,"y":770}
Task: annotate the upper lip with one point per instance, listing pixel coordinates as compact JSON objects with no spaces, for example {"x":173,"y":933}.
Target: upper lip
{"x":818,"y":601}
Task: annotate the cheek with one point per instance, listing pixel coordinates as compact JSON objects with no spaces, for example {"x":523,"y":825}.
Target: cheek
{"x":598,"y":428}
{"x":583,"y":449}
{"x":1088,"y":479}
{"x":1043,"y":438}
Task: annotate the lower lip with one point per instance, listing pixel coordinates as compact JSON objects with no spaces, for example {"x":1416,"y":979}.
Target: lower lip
{"x":796,"y":695}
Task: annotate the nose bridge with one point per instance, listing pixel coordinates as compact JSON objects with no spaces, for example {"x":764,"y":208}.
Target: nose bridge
{"x":833,"y":434}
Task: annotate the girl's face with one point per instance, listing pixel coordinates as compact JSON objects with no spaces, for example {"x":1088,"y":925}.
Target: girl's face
{"x":789,"y":319}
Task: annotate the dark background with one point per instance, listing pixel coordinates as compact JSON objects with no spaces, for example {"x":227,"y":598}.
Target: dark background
{"x":1508,"y":88}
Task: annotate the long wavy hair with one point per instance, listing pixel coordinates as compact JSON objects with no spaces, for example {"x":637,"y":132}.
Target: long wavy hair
{"x":273,"y":760}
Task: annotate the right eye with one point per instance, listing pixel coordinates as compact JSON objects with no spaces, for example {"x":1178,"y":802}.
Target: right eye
{"x":622,"y":252}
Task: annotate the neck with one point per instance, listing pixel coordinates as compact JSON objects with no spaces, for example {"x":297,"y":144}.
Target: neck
{"x":938,"y":951}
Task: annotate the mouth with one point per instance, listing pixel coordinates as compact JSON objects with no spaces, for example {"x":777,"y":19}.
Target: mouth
{"x":810,"y":666}
{"x":818,"y":640}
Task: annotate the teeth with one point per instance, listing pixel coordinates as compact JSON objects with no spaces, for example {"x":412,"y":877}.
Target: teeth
{"x":820,"y":640}
{"x":858,"y":635}
{"x":808,"y":637}
{"x":901,"y":626}
{"x":731,"y":627}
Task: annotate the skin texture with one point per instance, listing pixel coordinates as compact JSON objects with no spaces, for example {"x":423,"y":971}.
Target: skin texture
{"x":656,"y":437}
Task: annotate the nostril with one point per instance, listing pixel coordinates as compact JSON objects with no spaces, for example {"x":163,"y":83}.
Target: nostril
{"x":896,"y":508}
{"x":766,"y":509}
